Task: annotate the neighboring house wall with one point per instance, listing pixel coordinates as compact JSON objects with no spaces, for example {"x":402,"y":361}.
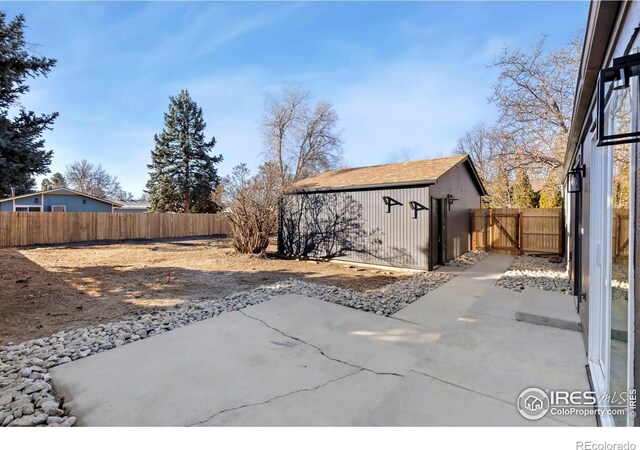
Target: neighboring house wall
{"x":355,"y":226}
{"x":73,"y":203}
{"x":76,"y":203}
{"x":32,"y":200}
{"x":457,"y":182}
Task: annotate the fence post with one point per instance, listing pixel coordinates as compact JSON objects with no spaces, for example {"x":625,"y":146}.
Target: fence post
{"x":520,"y":231}
{"x":490,"y":223}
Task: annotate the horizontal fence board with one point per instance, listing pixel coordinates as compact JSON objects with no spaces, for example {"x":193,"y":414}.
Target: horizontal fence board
{"x":35,"y":228}
{"x":518,"y":230}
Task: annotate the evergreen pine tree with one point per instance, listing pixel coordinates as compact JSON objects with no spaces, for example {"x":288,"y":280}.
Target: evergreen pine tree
{"x":22,"y":152}
{"x":56,"y":181}
{"x":523,"y":195}
{"x":501,"y":192}
{"x":182,"y":173}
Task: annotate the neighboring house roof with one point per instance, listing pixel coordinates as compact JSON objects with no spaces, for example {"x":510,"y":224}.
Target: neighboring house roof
{"x":387,"y":175}
{"x":61,"y":191}
{"x":134,"y":204}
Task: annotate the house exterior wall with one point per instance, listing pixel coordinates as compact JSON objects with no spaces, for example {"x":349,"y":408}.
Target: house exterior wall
{"x":32,"y":200}
{"x":73,"y":203}
{"x":610,"y":34}
{"x":355,"y":226}
{"x":459,"y":183}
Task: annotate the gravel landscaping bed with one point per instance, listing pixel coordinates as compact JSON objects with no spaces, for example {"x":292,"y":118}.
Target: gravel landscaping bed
{"x":536,"y":272}
{"x":26,"y":397}
{"x":468,"y":259}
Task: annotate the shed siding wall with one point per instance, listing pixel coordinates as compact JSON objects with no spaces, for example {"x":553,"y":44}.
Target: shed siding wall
{"x":459,"y":183}
{"x":354,"y":226}
{"x":6,"y":206}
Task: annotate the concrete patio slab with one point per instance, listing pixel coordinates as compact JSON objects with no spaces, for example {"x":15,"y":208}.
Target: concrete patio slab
{"x":187,"y":375}
{"x":443,"y":404}
{"x":345,"y":402}
{"x":484,"y":359}
{"x":498,"y":302}
{"x":551,"y":309}
{"x":281,"y":351}
{"x":500,"y":357}
{"x":458,"y":357}
{"x":441,"y":307}
{"x":366,"y":340}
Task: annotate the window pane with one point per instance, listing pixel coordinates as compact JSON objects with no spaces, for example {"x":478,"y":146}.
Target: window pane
{"x":619,"y":281}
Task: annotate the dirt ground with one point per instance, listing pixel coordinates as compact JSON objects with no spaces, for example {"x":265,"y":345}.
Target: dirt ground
{"x":49,"y":289}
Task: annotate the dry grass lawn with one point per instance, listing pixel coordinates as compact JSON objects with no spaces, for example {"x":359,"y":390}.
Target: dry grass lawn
{"x":48,"y":289}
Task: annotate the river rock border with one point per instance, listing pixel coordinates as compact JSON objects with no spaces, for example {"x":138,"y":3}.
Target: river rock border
{"x":26,"y":397}
{"x":537,"y":272}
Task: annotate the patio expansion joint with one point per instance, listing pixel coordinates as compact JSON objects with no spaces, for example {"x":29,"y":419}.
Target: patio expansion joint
{"x":319,"y":349}
{"x":235,"y":408}
{"x":477,"y":392}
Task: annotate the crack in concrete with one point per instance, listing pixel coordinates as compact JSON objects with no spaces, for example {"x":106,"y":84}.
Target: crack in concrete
{"x":200,"y":422}
{"x":479,"y":393}
{"x":319,"y":349}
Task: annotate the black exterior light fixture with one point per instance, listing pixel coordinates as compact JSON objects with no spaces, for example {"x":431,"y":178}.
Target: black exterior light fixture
{"x":415,"y":207}
{"x":574,"y":180}
{"x":450,"y":200}
{"x":618,"y":102}
{"x":389,"y":202}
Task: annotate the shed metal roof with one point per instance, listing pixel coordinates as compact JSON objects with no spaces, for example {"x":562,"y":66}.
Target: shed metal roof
{"x":409,"y":173}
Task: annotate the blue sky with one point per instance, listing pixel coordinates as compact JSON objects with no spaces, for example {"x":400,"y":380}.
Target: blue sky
{"x":406,"y":79}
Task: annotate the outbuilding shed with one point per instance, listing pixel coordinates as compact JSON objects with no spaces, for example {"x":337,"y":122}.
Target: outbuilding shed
{"x":413,"y":214}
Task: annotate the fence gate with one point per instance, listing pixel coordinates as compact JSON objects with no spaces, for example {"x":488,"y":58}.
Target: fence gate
{"x":516,"y":231}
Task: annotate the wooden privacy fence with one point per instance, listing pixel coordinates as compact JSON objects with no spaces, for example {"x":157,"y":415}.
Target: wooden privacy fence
{"x":517,"y":231}
{"x":620,"y":234}
{"x":30,"y":228}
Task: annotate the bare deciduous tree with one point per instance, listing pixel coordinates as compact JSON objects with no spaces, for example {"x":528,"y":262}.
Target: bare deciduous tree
{"x":92,"y":179}
{"x":251,"y":205}
{"x":534,"y":94}
{"x":478,"y":144}
{"x":301,"y":138}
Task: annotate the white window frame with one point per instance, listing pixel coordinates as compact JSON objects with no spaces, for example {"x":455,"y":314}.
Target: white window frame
{"x":601,"y":256}
{"x":64,"y":208}
{"x":600,"y":270}
{"x":15,"y":207}
{"x":635,"y":119}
